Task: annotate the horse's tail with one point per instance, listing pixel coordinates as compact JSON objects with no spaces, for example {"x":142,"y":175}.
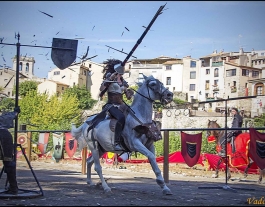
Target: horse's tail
{"x":76,"y":132}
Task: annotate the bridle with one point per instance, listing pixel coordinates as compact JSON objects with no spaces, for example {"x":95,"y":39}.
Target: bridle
{"x":154,"y":90}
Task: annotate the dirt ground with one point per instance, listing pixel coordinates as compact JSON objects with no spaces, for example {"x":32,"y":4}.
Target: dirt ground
{"x":63,"y":184}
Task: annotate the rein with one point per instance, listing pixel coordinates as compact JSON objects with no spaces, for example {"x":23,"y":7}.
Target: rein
{"x":149,"y":94}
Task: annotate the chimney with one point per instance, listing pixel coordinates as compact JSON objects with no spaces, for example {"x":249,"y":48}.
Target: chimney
{"x":241,"y":51}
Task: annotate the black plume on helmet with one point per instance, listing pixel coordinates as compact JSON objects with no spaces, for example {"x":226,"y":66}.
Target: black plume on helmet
{"x":109,"y":65}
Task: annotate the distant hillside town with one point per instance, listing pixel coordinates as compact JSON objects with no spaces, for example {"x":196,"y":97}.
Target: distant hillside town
{"x":219,"y":75}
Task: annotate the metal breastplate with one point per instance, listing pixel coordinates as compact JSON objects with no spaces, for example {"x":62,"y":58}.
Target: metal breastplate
{"x":114,"y":88}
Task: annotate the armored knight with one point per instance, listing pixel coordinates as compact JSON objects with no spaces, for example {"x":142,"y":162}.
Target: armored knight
{"x":114,"y":83}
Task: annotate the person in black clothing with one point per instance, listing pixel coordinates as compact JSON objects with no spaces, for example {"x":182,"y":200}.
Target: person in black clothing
{"x":7,"y":149}
{"x":232,"y":134}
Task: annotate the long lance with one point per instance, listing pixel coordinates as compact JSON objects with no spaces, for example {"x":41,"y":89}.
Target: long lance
{"x":117,"y":67}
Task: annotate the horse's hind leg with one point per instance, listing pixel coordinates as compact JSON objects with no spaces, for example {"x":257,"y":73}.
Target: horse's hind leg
{"x":98,"y":168}
{"x":260,"y":177}
{"x":90,"y":162}
{"x":247,"y":168}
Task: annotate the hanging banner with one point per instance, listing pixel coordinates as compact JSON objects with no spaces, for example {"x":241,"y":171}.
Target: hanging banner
{"x":43,"y":142}
{"x":257,"y":147}
{"x":64,"y":52}
{"x":70,"y":144}
{"x":191,"y":148}
{"x":57,"y":145}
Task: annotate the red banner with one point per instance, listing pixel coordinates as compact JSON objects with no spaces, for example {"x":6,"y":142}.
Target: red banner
{"x":191,"y":148}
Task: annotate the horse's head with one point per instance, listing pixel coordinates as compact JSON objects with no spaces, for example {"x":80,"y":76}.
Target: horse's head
{"x":156,"y":90}
{"x":213,"y":124}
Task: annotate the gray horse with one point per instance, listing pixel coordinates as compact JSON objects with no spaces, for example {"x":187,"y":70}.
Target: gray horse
{"x":101,"y":138}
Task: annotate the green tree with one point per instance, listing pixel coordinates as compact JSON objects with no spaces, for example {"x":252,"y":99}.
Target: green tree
{"x":83,"y":96}
{"x":7,"y":104}
{"x":25,"y":87}
{"x":39,"y":112}
{"x":55,"y":113}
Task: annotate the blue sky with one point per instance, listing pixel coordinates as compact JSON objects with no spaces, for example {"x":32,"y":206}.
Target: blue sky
{"x":193,"y":28}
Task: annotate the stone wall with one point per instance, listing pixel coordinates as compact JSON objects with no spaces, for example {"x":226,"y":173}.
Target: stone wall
{"x":199,"y":121}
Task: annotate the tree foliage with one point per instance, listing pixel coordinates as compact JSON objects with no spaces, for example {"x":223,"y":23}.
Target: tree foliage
{"x":83,"y":96}
{"x":25,"y":87}
{"x":7,"y":104}
{"x":55,"y":113}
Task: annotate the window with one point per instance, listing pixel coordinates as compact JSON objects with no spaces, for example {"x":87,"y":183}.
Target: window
{"x":216,"y":82}
{"x":255,"y":74}
{"x":206,"y":95}
{"x":168,"y":80}
{"x":27,"y":67}
{"x":245,"y":72}
{"x":84,"y":72}
{"x":193,"y":75}
{"x":56,"y":73}
{"x":258,"y":89}
{"x":216,"y":72}
{"x":89,"y":65}
{"x":193,"y":64}
{"x":62,"y":88}
{"x":207,"y":71}
{"x":231,"y":72}
{"x":168,"y":67}
{"x":173,"y":88}
{"x":192,"y":87}
{"x":20,"y":66}
{"x":262,"y":54}
{"x":207,"y":84}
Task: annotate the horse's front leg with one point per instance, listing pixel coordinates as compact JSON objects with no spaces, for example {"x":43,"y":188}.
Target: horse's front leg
{"x":217,"y":168}
{"x":150,"y":154}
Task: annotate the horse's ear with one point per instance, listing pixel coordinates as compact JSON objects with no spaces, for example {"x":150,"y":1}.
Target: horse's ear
{"x":145,"y":76}
{"x":215,"y":120}
{"x":139,"y":84}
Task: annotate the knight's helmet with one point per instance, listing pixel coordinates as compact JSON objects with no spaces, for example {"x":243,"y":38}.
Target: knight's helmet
{"x":112,"y":66}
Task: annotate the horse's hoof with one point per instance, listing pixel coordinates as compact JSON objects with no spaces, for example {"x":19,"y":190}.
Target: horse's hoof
{"x":245,"y":175}
{"x":214,"y":176}
{"x":228,"y":177}
{"x":107,"y":190}
{"x":167,"y":192}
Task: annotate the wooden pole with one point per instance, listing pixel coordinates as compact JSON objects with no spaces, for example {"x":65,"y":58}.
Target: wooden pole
{"x":29,"y":147}
{"x":166,"y":160}
{"x":84,"y":157}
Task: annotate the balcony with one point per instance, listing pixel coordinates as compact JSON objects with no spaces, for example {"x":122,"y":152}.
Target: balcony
{"x":217,"y":64}
{"x":216,"y":89}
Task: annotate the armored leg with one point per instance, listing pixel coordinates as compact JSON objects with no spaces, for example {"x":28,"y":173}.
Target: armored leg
{"x":117,"y":140}
{"x":10,"y":170}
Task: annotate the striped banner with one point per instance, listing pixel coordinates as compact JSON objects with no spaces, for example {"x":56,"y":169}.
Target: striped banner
{"x":43,"y":142}
{"x":57,"y":145}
